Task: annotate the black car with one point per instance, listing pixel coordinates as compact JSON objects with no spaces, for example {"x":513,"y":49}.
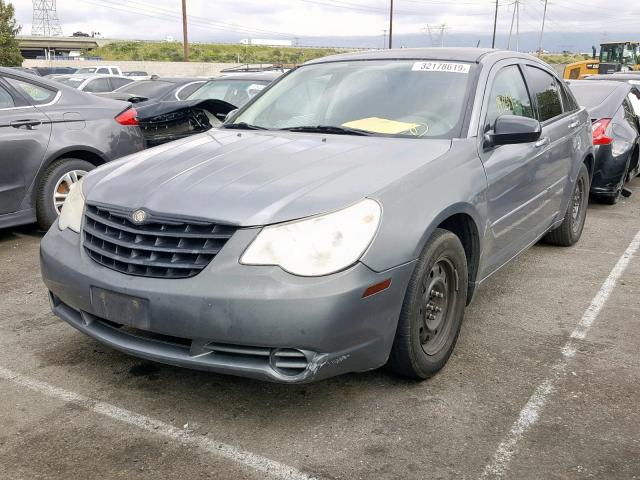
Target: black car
{"x":614,"y":108}
{"x":156,"y":89}
{"x":50,"y":137}
{"x":167,"y":120}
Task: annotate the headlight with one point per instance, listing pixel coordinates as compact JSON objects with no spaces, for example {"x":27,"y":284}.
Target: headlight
{"x":71,"y":214}
{"x":319,"y":245}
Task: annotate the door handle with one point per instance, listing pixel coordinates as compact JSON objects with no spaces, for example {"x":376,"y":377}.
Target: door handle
{"x":575,"y":124}
{"x":28,"y":124}
{"x":543,"y":142}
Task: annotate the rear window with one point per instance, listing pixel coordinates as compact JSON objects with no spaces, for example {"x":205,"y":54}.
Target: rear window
{"x":592,"y":94}
{"x":86,"y":70}
{"x":38,"y":94}
{"x":147,"y":88}
{"x":70,"y":81}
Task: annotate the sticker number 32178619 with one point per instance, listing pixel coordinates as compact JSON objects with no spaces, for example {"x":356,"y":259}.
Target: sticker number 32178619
{"x":447,"y":67}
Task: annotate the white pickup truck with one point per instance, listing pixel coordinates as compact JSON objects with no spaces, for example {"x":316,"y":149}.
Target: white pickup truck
{"x":100,"y":69}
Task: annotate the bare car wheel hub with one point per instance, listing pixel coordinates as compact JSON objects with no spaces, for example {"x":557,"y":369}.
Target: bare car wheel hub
{"x":63,"y":186}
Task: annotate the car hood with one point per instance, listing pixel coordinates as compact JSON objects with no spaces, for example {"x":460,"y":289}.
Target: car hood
{"x":251,"y":178}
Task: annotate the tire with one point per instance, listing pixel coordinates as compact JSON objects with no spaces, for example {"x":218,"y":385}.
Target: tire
{"x":46,"y":209}
{"x":422,"y":345}
{"x":570,"y":230}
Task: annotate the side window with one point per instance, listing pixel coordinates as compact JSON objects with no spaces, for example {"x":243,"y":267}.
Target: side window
{"x":546,"y":91}
{"x":569,"y":103}
{"x":103,"y":70}
{"x":119,"y":82}
{"x":188,"y":90}
{"x":98,"y":85}
{"x":37,"y":94}
{"x":6,"y":100}
{"x":508,"y":96}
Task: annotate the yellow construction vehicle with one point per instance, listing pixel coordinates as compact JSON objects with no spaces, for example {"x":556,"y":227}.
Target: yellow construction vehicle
{"x":614,"y":57}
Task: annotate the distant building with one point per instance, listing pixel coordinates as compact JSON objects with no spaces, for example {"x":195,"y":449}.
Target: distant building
{"x":267,"y":42}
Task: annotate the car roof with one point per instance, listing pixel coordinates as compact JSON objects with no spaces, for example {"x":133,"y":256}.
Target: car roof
{"x":462,"y":54}
{"x":155,"y":78}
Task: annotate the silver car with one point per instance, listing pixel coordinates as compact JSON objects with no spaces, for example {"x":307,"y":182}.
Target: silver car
{"x":340,"y":221}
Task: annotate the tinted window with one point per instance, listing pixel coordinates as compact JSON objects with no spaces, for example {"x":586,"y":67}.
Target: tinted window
{"x":103,"y":70}
{"x":235,"y":92}
{"x":508,"y":96}
{"x":147,"y":88}
{"x":546,"y":91}
{"x":37,"y":94}
{"x":568,"y":102}
{"x":6,"y":101}
{"x":187,"y":90}
{"x":98,"y":85}
{"x":120,"y":82}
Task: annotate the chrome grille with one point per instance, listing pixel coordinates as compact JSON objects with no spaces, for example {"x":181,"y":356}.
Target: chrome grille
{"x":161,"y":247}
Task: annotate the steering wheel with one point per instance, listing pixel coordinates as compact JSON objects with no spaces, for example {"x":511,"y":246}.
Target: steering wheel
{"x":431,"y":120}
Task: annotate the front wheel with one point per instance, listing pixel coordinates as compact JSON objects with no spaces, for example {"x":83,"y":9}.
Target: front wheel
{"x":433,"y":309}
{"x":570,"y":230}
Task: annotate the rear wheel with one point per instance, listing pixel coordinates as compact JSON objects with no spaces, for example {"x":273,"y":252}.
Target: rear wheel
{"x":570,"y":230}
{"x":433,"y":309}
{"x":54,"y":187}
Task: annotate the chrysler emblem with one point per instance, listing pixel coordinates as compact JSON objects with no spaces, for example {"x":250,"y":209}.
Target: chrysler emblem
{"x":139,"y":216}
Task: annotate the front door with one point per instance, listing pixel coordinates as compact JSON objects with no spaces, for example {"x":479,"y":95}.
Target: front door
{"x":515,"y":192}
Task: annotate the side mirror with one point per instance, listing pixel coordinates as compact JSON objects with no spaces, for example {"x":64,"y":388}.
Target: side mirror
{"x":229,"y":116}
{"x":511,"y":130}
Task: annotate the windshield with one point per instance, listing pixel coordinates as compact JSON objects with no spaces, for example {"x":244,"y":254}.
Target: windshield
{"x":70,"y":81}
{"x":235,"y":92}
{"x":398,"y":98}
{"x":626,"y":54}
{"x":146,"y":88}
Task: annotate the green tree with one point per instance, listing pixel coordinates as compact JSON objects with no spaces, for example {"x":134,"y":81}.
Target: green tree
{"x":9,"y":51}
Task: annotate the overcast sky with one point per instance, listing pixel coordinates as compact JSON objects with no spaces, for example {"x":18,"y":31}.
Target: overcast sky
{"x":229,"y":20}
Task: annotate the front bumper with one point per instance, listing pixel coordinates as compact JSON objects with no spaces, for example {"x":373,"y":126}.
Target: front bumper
{"x":255,"y":313}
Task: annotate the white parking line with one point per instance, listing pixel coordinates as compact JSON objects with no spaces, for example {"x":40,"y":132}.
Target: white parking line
{"x":531,"y":411}
{"x":248,"y":459}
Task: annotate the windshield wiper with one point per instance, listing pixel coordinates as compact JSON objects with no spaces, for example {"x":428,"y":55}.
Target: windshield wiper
{"x":243,"y":126}
{"x":328,"y":129}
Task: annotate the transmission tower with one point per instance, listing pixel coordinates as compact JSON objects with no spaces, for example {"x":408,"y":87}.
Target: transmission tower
{"x":45,"y":19}
{"x":436,"y":34}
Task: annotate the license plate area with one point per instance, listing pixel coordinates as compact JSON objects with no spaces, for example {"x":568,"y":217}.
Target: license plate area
{"x":121,"y":308}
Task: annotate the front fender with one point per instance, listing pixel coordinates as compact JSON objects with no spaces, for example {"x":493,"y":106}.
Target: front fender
{"x":415,"y":205}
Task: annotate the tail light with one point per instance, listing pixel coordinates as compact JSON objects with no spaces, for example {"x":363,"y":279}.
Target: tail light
{"x":602,"y":132}
{"x":128,"y":117}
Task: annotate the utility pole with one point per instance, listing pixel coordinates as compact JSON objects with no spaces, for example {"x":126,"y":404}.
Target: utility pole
{"x":515,"y":19}
{"x":495,"y":26}
{"x":185,"y":36}
{"x":391,"y":26}
{"x":544,"y":17}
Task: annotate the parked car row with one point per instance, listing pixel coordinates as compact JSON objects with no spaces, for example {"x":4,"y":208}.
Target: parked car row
{"x":338,"y":221}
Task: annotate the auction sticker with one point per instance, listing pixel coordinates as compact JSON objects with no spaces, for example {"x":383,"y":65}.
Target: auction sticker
{"x":441,"y":67}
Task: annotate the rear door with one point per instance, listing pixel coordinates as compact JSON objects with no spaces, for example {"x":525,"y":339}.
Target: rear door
{"x":559,"y":139}
{"x":24,"y":137}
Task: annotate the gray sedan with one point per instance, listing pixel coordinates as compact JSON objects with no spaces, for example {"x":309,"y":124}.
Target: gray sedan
{"x":50,"y":137}
{"x":340,"y":221}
